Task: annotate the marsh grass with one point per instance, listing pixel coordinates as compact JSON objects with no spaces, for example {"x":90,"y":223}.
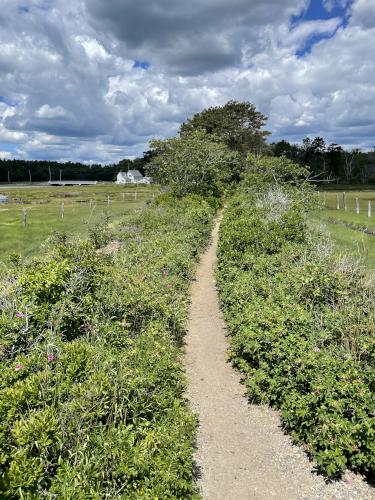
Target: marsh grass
{"x":349,"y":241}
{"x":43,"y":207}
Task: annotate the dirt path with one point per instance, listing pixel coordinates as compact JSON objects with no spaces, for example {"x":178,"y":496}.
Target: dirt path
{"x":241,"y":451}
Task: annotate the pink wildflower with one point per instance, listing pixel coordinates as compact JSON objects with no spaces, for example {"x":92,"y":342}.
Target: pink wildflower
{"x":51,"y":357}
{"x":20,"y":314}
{"x":18,"y":367}
{"x":317,"y":349}
{"x":169,"y":285}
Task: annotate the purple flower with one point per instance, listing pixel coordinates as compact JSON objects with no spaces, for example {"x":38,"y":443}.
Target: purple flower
{"x":18,"y":367}
{"x":51,"y":357}
{"x":20,"y":314}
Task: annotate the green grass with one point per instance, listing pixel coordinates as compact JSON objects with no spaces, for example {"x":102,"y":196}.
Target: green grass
{"x":43,"y":205}
{"x":356,"y":243}
{"x":350,"y":214}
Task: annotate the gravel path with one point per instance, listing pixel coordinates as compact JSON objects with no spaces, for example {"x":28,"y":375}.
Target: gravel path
{"x":241,"y":451}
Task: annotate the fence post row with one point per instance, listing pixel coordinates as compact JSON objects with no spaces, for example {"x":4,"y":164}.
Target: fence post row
{"x":345,"y":204}
{"x":62,"y":207}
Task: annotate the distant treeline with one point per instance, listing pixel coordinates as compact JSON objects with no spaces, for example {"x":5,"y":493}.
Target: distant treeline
{"x":329,"y":162}
{"x":44,"y":170}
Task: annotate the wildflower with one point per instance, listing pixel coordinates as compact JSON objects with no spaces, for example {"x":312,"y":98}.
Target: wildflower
{"x":51,"y":357}
{"x":20,"y":314}
{"x":317,"y":349}
{"x":18,"y":367}
{"x":169,"y":285}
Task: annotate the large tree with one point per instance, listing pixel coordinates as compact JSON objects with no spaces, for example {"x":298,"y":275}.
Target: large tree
{"x":194,"y":163}
{"x":237,"y":124}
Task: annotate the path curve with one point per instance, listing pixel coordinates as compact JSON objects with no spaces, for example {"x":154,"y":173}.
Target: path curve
{"x":241,"y":451}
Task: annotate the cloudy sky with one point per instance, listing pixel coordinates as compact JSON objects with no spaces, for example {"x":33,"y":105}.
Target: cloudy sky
{"x":94,"y":80}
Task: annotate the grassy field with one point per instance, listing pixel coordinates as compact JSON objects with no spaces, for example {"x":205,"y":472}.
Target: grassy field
{"x":354,"y":242}
{"x":83,"y":205}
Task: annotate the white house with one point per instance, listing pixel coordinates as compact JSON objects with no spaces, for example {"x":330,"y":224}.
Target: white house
{"x":132,"y":177}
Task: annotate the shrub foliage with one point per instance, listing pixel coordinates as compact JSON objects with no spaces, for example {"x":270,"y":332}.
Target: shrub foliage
{"x":91,"y":388}
{"x":302,"y":326}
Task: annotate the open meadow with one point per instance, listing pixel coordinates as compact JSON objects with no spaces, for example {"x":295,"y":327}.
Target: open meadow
{"x":349,"y":229}
{"x":70,"y":209}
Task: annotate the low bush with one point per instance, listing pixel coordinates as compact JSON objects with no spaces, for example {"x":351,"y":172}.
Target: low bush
{"x":91,"y":388}
{"x":302,"y":327}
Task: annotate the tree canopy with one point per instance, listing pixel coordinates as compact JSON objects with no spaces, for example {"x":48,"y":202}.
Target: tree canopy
{"x":329,"y":162}
{"x":193,"y":163}
{"x":236,"y":124}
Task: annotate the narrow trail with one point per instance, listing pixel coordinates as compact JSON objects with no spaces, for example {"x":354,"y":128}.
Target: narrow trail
{"x":241,"y":451}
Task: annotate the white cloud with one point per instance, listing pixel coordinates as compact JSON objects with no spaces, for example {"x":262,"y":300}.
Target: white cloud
{"x":46,"y":111}
{"x":329,"y":5}
{"x":298,"y":35}
{"x":363,"y":14}
{"x":5,"y":155}
{"x":10,"y":135}
{"x":93,"y":48}
{"x":69,"y":89}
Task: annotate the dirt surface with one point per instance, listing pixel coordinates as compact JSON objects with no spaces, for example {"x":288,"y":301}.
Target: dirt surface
{"x":242,"y":452}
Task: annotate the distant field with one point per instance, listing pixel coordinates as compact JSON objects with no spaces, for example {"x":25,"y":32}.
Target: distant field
{"x":354,"y":242}
{"x":83,"y":205}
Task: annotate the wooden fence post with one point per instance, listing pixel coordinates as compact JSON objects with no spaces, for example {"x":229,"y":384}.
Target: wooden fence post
{"x":90,"y":204}
{"x":108,"y":201}
{"x":135,"y":196}
{"x":24,"y":217}
{"x":337,"y":202}
{"x":369,"y":209}
{"x":344,"y":201}
{"x":62,"y":210}
{"x":357,"y":206}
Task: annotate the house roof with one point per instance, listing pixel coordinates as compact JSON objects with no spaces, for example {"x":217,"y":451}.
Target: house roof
{"x":134,"y":173}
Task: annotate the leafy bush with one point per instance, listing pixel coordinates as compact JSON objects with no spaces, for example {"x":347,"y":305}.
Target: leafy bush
{"x":194,"y":163}
{"x":91,"y":389}
{"x":302,"y":327}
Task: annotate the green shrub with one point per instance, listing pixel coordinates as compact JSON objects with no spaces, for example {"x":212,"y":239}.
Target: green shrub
{"x":91,"y":388}
{"x":302,"y":327}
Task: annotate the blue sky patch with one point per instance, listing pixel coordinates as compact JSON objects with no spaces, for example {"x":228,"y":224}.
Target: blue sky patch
{"x":8,"y":147}
{"x":310,"y":42}
{"x":317,"y":10}
{"x":141,"y":64}
{"x":6,"y":101}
